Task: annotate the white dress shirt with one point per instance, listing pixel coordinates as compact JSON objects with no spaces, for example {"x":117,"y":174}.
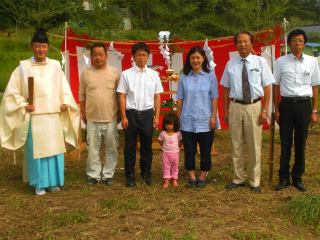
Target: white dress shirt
{"x":140,"y":86}
{"x":296,"y":77}
{"x":259,"y":76}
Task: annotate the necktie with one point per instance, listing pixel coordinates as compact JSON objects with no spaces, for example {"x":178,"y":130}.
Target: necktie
{"x":245,"y":83}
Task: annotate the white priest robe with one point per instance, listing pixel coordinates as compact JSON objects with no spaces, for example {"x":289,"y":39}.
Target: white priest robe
{"x":49,"y":125}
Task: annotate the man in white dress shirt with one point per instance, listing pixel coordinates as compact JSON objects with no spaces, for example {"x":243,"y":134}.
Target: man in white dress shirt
{"x":297,"y":76}
{"x":139,"y":89}
{"x":246,"y":79}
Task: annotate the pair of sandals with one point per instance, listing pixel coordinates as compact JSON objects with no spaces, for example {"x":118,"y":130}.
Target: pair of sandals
{"x":197,"y":184}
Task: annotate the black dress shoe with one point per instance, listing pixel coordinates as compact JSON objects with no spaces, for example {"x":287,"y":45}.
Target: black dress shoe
{"x":131,"y":182}
{"x":148,"y":180}
{"x":108,"y":181}
{"x":299,"y":186}
{"x":282,"y":185}
{"x":92,"y":181}
{"x":234,"y":186}
{"x":256,"y":189}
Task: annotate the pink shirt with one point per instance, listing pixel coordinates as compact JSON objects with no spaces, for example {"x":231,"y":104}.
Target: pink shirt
{"x":170,"y":143}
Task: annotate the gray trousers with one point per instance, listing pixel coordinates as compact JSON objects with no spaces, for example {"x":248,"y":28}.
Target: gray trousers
{"x":95,"y":130}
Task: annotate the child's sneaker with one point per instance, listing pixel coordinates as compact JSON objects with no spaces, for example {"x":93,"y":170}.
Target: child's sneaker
{"x":40,"y":191}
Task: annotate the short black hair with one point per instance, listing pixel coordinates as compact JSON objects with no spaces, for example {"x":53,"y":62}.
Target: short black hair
{"x":140,"y":46}
{"x":243,"y":32}
{"x":98,"y":44}
{"x":171,"y":118}
{"x":187,"y":65}
{"x":295,"y":33}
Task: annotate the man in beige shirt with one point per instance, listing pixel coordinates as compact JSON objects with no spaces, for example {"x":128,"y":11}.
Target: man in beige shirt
{"x":99,"y":108}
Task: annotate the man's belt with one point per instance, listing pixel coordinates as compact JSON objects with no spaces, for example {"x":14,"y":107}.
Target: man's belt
{"x":242,"y":102}
{"x":140,"y":112}
{"x":295,"y":99}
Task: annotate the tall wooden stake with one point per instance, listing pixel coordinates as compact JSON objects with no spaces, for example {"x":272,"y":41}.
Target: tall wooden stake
{"x":272,"y":126}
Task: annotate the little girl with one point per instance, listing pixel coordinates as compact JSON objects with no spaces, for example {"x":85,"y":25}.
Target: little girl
{"x":171,"y":140}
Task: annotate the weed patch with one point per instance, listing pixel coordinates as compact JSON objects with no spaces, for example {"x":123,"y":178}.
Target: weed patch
{"x":254,"y":236}
{"x":122,"y":204}
{"x":306,"y":209}
{"x":52,"y":221}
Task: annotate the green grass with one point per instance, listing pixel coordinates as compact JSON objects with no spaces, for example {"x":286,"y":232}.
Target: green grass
{"x":52,"y":221}
{"x":266,"y":138}
{"x":122,"y":204}
{"x":256,"y":235}
{"x":306,"y":209}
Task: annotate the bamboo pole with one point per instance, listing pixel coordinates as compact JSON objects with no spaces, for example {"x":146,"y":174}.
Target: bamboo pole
{"x":65,"y":48}
{"x":272,"y":126}
{"x":285,"y":35}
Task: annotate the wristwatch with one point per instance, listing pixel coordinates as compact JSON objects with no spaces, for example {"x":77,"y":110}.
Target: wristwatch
{"x":265,"y":111}
{"x":314,"y":111}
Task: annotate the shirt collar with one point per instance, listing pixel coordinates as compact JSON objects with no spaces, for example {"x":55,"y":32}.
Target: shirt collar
{"x":249,"y":58}
{"x":33,"y":60}
{"x":137,"y":69}
{"x":192,"y":73}
{"x":294,"y":58}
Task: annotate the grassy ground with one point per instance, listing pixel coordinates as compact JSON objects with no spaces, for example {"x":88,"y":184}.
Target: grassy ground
{"x":150,"y":212}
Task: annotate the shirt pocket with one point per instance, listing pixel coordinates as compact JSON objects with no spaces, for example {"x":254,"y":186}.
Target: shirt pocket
{"x":306,"y":79}
{"x":255,"y":76}
{"x":111,"y":85}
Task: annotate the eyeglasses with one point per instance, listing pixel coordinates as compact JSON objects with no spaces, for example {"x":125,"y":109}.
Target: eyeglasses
{"x":297,"y":41}
{"x":141,"y":55}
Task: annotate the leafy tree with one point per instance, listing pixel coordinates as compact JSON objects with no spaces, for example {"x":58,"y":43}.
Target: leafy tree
{"x":305,"y":10}
{"x":33,"y":13}
{"x":177,"y":16}
{"x":104,"y":17}
{"x":238,"y":15}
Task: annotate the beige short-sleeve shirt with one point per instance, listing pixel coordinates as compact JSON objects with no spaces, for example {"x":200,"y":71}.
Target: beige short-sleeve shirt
{"x":98,"y":88}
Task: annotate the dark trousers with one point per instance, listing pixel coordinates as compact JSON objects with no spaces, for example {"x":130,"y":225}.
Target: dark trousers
{"x":294,"y":116}
{"x":190,"y":140}
{"x":139,"y":123}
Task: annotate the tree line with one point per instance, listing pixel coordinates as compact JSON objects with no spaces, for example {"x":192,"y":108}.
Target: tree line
{"x":184,"y":18}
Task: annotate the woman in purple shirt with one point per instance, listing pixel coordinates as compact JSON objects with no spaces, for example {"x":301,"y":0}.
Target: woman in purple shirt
{"x":197,"y":102}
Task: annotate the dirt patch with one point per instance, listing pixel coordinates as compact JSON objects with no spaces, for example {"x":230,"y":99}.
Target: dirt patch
{"x":144,"y":212}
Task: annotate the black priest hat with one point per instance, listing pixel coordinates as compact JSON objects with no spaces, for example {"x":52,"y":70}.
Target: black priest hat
{"x":40,"y":36}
